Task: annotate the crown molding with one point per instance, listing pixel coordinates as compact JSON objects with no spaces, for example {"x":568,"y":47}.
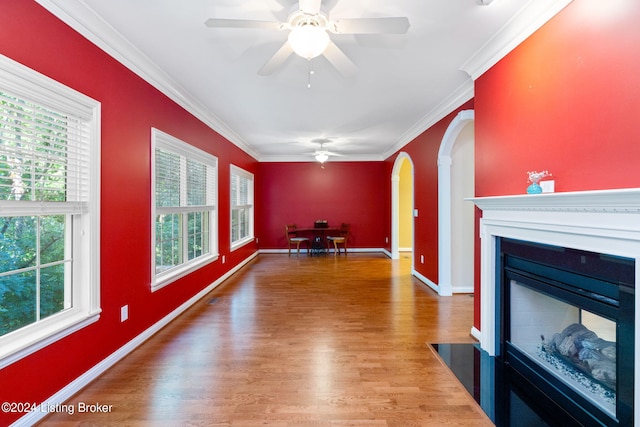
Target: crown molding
{"x":458,"y":97}
{"x":79,"y":16}
{"x":526,"y":22}
{"x":529,"y":19}
{"x":308,"y":158}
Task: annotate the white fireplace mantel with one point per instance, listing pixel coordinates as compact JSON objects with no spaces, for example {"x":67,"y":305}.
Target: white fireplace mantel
{"x":604,"y":221}
{"x":612,"y":201}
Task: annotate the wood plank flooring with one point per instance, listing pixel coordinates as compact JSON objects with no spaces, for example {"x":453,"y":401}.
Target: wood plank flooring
{"x":288,"y":341}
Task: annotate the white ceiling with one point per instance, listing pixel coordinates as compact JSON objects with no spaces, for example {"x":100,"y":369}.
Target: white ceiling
{"x":403,"y":83}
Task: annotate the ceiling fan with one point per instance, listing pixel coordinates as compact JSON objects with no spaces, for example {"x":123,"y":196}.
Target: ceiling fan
{"x":323,"y":155}
{"x":308,"y":25}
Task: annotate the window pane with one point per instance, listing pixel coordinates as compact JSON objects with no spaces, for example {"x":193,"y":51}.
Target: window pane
{"x":167,"y":178}
{"x":17,"y":301}
{"x":34,"y":142}
{"x":244,"y":192}
{"x":235,"y":229}
{"x":234,"y":190}
{"x":52,"y":290}
{"x":206,"y":236}
{"x":239,"y":223}
{"x":242,"y":205}
{"x":168,"y":241}
{"x":17,"y":242}
{"x":196,"y":183}
{"x":244,"y":222}
{"x":198,"y":234}
{"x":52,"y":233}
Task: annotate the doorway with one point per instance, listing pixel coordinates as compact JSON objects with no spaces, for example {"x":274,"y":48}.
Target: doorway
{"x":402,"y":206}
{"x":455,"y":215}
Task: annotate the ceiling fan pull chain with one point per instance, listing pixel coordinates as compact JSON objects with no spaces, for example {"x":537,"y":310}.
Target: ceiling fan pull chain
{"x":311,"y":72}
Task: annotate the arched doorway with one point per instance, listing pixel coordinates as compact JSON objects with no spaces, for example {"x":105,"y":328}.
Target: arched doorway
{"x":401,"y":205}
{"x":455,"y":217}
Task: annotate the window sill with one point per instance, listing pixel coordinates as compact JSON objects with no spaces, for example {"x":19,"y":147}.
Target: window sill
{"x":164,"y":279}
{"x":48,"y":335}
{"x":241,"y":243}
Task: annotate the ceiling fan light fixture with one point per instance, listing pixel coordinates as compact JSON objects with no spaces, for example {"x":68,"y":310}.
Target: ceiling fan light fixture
{"x":308,"y":40}
{"x":322,"y":157}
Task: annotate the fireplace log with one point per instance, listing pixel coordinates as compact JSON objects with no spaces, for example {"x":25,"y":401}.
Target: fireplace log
{"x":584,"y":350}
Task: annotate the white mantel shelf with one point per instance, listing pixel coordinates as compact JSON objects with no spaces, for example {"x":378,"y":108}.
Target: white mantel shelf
{"x":611,"y":201}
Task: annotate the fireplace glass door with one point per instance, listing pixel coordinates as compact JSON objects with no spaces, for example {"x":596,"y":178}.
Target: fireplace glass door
{"x":576,"y":346}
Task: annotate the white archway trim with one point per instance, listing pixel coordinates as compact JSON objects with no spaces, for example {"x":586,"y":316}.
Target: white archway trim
{"x":395,"y":202}
{"x":445,"y":265}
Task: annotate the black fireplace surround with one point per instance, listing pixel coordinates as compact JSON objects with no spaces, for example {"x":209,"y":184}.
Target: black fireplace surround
{"x":589,"y":283}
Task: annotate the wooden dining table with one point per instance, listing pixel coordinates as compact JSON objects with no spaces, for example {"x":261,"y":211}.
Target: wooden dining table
{"x":318,"y":235}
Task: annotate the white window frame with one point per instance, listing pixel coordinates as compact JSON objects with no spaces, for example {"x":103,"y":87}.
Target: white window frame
{"x":164,"y":141}
{"x":84,"y":298}
{"x":243,"y":240}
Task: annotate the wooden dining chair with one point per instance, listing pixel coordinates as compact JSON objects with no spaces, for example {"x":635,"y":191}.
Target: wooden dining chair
{"x":293,"y":238}
{"x":341,"y":239}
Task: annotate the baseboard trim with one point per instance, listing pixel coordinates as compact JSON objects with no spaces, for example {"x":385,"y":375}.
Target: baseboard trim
{"x":436,"y":287}
{"x":425,"y":280}
{"x":475,"y":333}
{"x":85,"y":379}
{"x":303,"y":251}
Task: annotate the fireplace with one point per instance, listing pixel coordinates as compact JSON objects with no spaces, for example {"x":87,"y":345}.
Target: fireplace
{"x":566,"y":325}
{"x":558,"y":300}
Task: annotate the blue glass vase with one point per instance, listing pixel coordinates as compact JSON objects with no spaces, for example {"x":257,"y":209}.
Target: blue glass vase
{"x":534,"y":188}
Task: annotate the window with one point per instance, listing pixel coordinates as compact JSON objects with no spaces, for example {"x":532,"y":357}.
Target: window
{"x":49,"y":206}
{"x":241,"y":207}
{"x":184,"y":193}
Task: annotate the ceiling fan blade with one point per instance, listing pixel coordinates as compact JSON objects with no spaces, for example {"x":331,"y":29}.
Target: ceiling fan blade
{"x":371,"y":26}
{"x":276,"y":60}
{"x":329,"y":4}
{"x":241,"y":23}
{"x":310,"y":6}
{"x":328,"y":153}
{"x":338,"y":59}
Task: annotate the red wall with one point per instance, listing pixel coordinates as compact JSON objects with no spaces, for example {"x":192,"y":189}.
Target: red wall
{"x":130,"y":107}
{"x":566,"y":100}
{"x":424,"y":154}
{"x":339,"y":192}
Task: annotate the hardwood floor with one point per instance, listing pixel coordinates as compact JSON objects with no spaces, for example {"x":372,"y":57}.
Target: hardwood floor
{"x":291,"y":341}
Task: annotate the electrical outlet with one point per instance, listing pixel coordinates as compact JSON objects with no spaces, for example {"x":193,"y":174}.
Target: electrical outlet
{"x":124,"y":313}
{"x":415,"y":213}
{"x":421,"y":259}
{"x":386,"y":240}
{"x":224,"y":259}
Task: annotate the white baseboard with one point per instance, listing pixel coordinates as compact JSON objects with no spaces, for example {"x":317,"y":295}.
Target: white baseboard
{"x":475,"y":333}
{"x":303,"y":251}
{"x":85,"y":379}
{"x":436,"y":287}
{"x":426,"y":281}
